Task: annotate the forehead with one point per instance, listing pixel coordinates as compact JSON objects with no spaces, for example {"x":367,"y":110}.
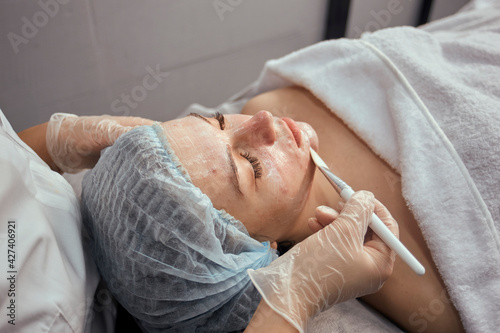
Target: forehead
{"x":194,"y":140}
{"x":188,"y":134}
{"x":202,"y":150}
{"x":196,"y":129}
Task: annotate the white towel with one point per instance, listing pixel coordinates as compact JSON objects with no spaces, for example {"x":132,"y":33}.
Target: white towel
{"x":428,"y":102}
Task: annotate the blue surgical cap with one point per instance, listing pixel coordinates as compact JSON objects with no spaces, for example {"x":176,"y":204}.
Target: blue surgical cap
{"x":168,"y":256}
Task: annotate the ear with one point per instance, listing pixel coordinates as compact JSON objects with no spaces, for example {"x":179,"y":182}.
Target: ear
{"x":274,"y":245}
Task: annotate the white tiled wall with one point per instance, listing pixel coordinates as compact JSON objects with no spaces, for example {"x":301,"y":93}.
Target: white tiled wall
{"x":95,"y":57}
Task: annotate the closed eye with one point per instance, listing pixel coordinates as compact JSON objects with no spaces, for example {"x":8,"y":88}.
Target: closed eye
{"x":254,"y":161}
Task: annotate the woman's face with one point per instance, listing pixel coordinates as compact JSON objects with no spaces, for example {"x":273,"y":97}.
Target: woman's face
{"x":258,"y":168}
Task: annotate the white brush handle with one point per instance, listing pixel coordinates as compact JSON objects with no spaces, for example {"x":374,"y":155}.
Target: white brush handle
{"x":388,"y":237}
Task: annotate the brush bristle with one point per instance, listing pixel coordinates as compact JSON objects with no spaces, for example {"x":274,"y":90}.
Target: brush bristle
{"x":316,"y":159}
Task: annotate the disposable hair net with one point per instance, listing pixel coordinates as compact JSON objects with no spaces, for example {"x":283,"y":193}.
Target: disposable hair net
{"x":168,"y":256}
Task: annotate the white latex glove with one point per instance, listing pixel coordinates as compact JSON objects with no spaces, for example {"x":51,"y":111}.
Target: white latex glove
{"x":74,"y":143}
{"x":331,"y":266}
{"x":324,"y":216}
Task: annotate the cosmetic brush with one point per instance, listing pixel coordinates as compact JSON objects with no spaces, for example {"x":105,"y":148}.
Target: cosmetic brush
{"x":345,"y":191}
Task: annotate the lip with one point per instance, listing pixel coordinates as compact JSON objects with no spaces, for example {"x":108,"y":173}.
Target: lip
{"x":294,"y":129}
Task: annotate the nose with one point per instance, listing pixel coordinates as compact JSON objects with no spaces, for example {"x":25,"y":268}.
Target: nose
{"x":258,"y":130}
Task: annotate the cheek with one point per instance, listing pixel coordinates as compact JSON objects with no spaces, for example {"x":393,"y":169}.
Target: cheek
{"x":289,"y":188}
{"x":275,"y":172}
{"x":274,"y":178}
{"x":285,"y":176}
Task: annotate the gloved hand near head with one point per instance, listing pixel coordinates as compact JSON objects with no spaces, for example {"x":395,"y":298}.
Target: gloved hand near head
{"x":324,"y":216}
{"x":333,"y":265}
{"x":74,"y":143}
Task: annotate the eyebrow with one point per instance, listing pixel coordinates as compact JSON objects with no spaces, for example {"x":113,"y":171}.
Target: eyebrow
{"x":234,"y":169}
{"x":197,"y":115}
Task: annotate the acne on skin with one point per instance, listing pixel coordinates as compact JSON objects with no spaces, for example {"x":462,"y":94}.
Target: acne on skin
{"x":270,"y":206}
{"x":278,"y":163}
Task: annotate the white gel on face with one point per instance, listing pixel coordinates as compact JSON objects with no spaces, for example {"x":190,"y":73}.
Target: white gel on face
{"x":268,"y":206}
